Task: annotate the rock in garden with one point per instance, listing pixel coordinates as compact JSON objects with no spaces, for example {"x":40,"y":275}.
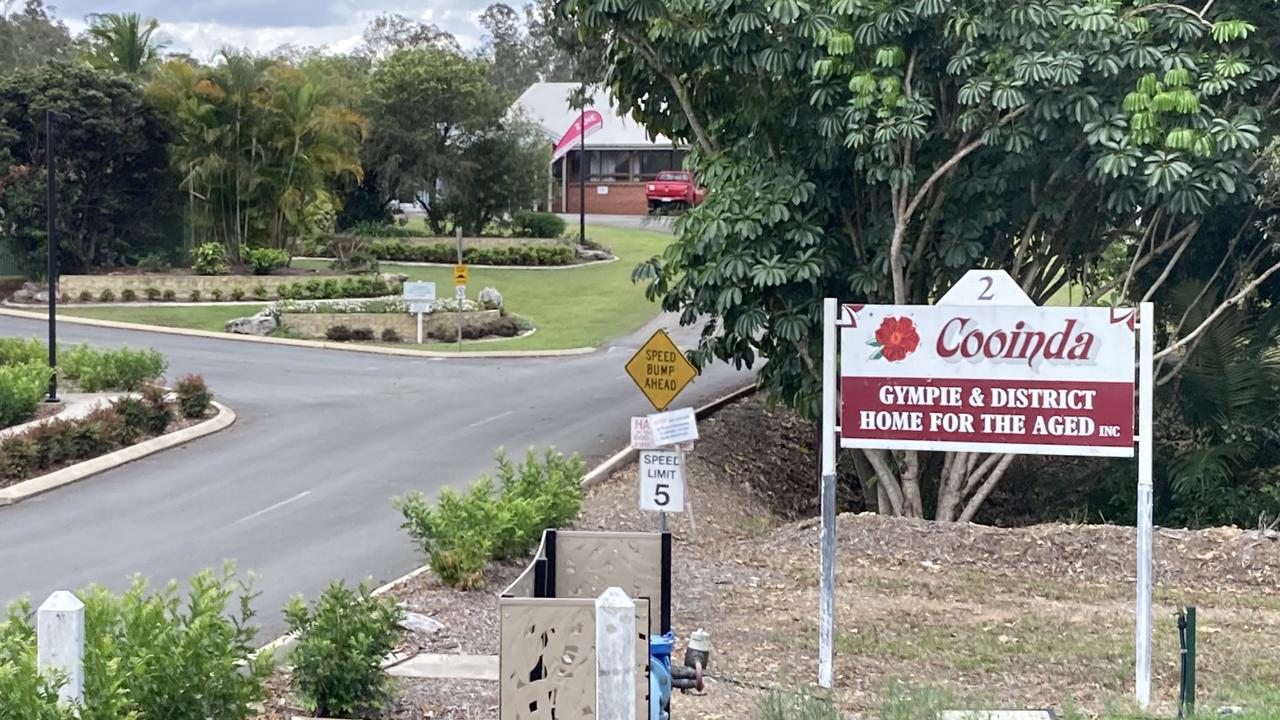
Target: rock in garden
{"x":419,"y":623}
{"x":590,"y":255}
{"x":491,"y":299}
{"x":395,"y":277}
{"x":41,"y":297}
{"x":261,"y":324}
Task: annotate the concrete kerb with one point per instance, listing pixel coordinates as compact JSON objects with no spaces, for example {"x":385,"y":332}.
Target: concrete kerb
{"x":314,"y":344}
{"x":66,"y":476}
{"x":282,"y":646}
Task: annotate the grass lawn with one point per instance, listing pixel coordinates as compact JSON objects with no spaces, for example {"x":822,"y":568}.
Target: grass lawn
{"x":213,"y":317}
{"x":571,"y":308}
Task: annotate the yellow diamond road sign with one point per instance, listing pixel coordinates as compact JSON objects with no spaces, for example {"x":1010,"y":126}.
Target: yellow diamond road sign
{"x":660,"y":370}
{"x":459,"y":274}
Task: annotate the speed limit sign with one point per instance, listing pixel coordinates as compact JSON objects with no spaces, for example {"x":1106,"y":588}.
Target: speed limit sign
{"x":661,"y":481}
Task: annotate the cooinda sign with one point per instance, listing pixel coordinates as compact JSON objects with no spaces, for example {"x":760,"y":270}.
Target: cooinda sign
{"x":1012,"y":379}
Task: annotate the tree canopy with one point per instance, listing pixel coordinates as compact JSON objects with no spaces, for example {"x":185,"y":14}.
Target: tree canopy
{"x":873,"y":151}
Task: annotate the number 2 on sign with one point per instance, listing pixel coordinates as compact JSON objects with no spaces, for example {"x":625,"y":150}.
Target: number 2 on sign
{"x":986,"y":293}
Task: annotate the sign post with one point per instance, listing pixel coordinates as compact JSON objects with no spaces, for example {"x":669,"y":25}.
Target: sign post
{"x":419,"y":296}
{"x":662,"y":372}
{"x":460,"y":285}
{"x":986,"y":371}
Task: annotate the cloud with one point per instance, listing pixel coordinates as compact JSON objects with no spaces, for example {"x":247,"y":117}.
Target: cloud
{"x":203,"y":28}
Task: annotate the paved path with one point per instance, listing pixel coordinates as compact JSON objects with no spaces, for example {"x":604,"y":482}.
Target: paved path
{"x":299,"y":489}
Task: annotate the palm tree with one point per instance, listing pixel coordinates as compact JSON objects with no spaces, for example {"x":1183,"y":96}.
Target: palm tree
{"x":123,"y":42}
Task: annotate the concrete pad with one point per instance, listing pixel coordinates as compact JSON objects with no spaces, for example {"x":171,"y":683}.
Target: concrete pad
{"x":997,"y":715}
{"x":454,"y":667}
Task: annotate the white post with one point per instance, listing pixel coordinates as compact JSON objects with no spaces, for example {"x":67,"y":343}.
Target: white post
{"x":827,"y":598}
{"x":60,"y":642}
{"x":419,"y":328}
{"x":1146,"y":440}
{"x":615,"y":656}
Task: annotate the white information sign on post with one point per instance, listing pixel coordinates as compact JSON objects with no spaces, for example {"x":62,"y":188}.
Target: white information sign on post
{"x":673,"y":427}
{"x":419,"y":296}
{"x":662,"y":480}
{"x":460,"y":292}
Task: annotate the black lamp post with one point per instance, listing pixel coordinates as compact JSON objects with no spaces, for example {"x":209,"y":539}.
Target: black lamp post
{"x":51,"y":187}
{"x":582,"y":168}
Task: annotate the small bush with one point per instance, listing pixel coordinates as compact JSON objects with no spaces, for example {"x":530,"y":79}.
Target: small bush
{"x":312,"y":289}
{"x":128,"y":295}
{"x":287,"y":291}
{"x":264,"y":261}
{"x":107,"y":296}
{"x":330,"y":289}
{"x":153,"y":262}
{"x":159,"y":414}
{"x":217,"y":294}
{"x":194,"y":296}
{"x":86,"y":296}
{"x":260,"y":292}
{"x":389,"y":335}
{"x":504,"y":327}
{"x":194,"y":397}
{"x":169,"y":296}
{"x":363,"y":334}
{"x":119,"y":369}
{"x":237,"y":294}
{"x":338,"y":333}
{"x":341,"y":642}
{"x":454,"y":535}
{"x":359,"y":262}
{"x":21,"y":388}
{"x":209,"y":259}
{"x":539,"y":225}
{"x":25,"y":691}
{"x":152,"y":293}
{"x":376,"y":229}
{"x":16,"y":351}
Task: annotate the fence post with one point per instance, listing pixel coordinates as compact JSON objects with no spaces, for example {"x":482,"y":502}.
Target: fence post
{"x":615,"y":656}
{"x":60,"y":642}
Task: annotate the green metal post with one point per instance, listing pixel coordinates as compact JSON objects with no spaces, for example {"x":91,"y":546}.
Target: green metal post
{"x":1189,"y":702}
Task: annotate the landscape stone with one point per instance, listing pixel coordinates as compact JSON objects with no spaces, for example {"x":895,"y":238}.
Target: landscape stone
{"x":419,"y":623}
{"x":491,"y":299}
{"x":593,"y":255}
{"x":262,"y":324}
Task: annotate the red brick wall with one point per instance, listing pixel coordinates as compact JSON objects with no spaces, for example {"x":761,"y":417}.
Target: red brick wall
{"x":624,"y":198}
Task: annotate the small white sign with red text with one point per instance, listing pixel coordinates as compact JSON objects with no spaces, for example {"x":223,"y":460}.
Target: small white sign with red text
{"x":1010,"y":379}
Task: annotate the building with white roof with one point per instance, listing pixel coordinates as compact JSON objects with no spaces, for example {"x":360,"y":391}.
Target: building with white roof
{"x":620,"y":157}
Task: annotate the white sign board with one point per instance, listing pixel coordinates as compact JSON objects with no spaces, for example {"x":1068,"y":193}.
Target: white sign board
{"x":420,"y":295}
{"x":661,"y":481}
{"x":986,"y":287}
{"x":460,"y":292}
{"x":1043,"y":380}
{"x":642,"y":436}
{"x":673,"y":427}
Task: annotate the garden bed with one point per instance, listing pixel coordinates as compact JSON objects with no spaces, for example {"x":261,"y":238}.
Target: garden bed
{"x":168,"y":287}
{"x":389,"y":326}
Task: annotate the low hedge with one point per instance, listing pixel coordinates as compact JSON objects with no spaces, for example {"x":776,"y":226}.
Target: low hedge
{"x":537,"y":255}
{"x":332,"y":289}
{"x":21,"y":388}
{"x":117,"y":369}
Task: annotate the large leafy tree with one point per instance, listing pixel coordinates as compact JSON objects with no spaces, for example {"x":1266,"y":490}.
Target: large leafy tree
{"x":426,"y":108}
{"x":115,"y":188}
{"x":501,"y":172}
{"x":28,"y":35}
{"x":873,"y":150}
{"x":123,"y":42}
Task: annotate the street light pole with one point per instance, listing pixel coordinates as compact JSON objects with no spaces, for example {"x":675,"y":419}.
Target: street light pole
{"x":582,"y":169}
{"x":52,"y":242}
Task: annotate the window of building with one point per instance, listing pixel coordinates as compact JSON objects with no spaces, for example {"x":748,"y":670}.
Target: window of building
{"x":609,"y":165}
{"x":653,"y":162}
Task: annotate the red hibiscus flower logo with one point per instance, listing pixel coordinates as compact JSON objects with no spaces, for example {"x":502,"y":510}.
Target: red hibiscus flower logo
{"x":896,"y":338}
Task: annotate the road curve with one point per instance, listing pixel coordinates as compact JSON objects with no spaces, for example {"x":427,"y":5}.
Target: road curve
{"x":299,"y":490}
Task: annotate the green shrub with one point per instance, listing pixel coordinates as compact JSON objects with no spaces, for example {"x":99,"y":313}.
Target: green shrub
{"x":338,"y":333}
{"x":312,"y":290}
{"x":209,"y":259}
{"x":107,"y":296}
{"x":502,"y":523}
{"x":287,"y":291}
{"x":194,"y":397}
{"x":86,"y":296}
{"x":25,"y":691}
{"x":172,"y":656}
{"x":117,"y":369}
{"x":237,"y":294}
{"x":21,"y":389}
{"x":359,"y":261}
{"x":330,"y":289}
{"x":538,"y":225}
{"x":19,"y":457}
{"x":152,"y":293}
{"x":260,"y":292}
{"x":61,"y":442}
{"x":455,"y":535}
{"x":264,"y":261}
{"x":194,"y":296}
{"x":128,"y":295}
{"x":376,"y":230}
{"x":17,"y":351}
{"x":342,"y":640}
{"x":362,"y":334}
{"x":153,"y":262}
{"x":169,"y":296}
{"x":217,"y":294}
{"x":389,"y":335}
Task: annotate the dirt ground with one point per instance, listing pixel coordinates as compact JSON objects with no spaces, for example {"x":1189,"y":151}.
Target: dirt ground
{"x":1033,"y":617}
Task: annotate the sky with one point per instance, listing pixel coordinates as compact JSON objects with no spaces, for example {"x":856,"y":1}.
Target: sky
{"x":202,"y":27}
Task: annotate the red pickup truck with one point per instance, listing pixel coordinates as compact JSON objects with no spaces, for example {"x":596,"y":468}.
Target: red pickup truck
{"x":673,"y":189}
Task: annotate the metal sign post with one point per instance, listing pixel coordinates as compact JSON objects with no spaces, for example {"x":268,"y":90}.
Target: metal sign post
{"x":1146,"y":441}
{"x":827,"y":599}
{"x":460,"y":292}
{"x":419,"y":296}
